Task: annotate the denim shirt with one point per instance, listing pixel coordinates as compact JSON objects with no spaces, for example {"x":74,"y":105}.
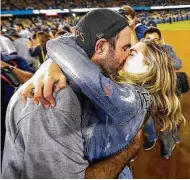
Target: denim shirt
{"x":114,"y":112}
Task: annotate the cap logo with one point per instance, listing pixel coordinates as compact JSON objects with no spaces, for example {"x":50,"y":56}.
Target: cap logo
{"x":79,"y":35}
{"x":100,"y":35}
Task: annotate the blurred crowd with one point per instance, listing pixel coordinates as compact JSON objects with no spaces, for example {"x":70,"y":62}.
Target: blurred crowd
{"x":56,"y":4}
{"x":46,"y":23}
{"x":23,"y":51}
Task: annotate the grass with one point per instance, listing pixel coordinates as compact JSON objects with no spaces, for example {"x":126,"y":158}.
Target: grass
{"x":181,"y":25}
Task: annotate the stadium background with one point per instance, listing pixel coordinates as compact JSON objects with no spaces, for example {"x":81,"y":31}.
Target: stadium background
{"x":149,"y":164}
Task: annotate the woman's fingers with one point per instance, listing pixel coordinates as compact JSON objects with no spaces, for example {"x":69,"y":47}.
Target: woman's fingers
{"x":60,"y":84}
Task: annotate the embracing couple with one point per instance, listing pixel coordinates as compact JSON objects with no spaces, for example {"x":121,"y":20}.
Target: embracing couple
{"x":95,"y":128}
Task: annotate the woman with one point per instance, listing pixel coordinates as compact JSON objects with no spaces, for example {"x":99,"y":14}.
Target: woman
{"x":148,"y":66}
{"x":39,"y":50}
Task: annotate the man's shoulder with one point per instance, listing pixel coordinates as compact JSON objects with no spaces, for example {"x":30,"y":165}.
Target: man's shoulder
{"x":66,"y":102}
{"x":66,"y":98}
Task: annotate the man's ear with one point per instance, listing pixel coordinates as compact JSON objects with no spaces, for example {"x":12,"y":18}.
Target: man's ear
{"x":101,"y":47}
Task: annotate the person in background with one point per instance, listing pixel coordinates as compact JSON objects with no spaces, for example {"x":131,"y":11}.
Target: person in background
{"x":7,"y":46}
{"x":19,"y":27}
{"x":168,"y":138}
{"x":40,"y":49}
{"x":154,"y":34}
{"x":137,"y":28}
{"x":60,"y":32}
{"x":22,"y":48}
{"x":22,"y":72}
{"x":52,"y":33}
{"x":65,"y":27}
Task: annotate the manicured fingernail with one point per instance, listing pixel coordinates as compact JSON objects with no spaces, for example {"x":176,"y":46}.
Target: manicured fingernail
{"x":56,"y":89}
{"x":53,"y":105}
{"x":46,"y":106}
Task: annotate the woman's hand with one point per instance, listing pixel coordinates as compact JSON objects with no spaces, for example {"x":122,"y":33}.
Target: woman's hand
{"x":4,"y":65}
{"x":40,"y":87}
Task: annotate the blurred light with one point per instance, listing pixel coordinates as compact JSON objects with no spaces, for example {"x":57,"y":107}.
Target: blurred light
{"x":4,"y":30}
{"x":170,"y":7}
{"x":6,"y":15}
{"x":36,"y":11}
{"x":82,"y":9}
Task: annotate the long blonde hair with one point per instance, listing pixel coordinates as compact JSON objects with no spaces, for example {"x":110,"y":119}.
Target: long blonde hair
{"x":160,"y":81}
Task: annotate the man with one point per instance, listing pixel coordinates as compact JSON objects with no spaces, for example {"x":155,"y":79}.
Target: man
{"x":21,"y":46}
{"x":169,"y":139}
{"x":19,"y":27}
{"x":7,"y":46}
{"x":48,"y":143}
{"x":154,"y":34}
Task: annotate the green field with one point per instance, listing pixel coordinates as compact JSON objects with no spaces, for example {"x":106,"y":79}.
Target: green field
{"x":181,"y":25}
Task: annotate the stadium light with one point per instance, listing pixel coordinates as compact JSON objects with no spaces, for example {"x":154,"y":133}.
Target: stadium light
{"x":78,"y":10}
{"x":170,"y":7}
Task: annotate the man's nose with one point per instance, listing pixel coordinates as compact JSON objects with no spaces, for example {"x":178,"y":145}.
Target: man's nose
{"x":127,"y":53}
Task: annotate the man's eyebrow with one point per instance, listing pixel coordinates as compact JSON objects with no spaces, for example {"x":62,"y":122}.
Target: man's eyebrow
{"x":126,"y":46}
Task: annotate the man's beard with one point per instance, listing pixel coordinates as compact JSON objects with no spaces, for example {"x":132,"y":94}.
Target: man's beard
{"x":109,"y":64}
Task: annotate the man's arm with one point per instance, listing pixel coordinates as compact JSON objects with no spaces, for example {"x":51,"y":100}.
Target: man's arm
{"x":112,"y":166}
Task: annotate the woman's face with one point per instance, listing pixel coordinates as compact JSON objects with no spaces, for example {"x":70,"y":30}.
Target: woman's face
{"x":135,"y":61}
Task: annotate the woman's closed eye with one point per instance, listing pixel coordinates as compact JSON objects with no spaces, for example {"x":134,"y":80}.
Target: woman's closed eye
{"x":132,"y":52}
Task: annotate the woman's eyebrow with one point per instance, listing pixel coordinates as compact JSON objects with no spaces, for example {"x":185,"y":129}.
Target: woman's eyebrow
{"x":133,"y":50}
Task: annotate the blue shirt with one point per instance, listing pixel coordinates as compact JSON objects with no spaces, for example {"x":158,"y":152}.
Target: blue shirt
{"x":7,"y":90}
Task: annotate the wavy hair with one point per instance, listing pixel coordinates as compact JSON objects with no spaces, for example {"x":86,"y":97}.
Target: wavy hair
{"x":42,"y":37}
{"x":160,"y":82}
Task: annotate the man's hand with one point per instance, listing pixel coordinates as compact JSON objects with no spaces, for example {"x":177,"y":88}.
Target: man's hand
{"x":40,"y":87}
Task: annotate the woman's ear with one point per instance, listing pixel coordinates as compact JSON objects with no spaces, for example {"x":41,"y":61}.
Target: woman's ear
{"x":101,"y":47}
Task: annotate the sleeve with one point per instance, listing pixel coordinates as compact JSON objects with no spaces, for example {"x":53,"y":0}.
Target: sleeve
{"x":121,"y":103}
{"x":48,"y":143}
{"x":23,"y":64}
{"x":175,"y":59}
{"x":35,"y":52}
{"x":8,"y":46}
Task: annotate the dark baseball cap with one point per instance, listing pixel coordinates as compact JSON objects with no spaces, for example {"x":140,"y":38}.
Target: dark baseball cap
{"x":97,"y":24}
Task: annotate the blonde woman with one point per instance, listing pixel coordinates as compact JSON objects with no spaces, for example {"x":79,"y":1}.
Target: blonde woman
{"x":148,"y":65}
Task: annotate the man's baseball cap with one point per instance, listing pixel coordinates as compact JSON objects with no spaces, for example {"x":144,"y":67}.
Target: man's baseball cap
{"x":97,"y":24}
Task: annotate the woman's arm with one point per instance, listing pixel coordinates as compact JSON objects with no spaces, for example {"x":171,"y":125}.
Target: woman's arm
{"x":22,"y":76}
{"x":119,"y":102}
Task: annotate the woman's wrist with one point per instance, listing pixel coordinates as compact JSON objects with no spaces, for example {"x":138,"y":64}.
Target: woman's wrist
{"x":11,"y":68}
